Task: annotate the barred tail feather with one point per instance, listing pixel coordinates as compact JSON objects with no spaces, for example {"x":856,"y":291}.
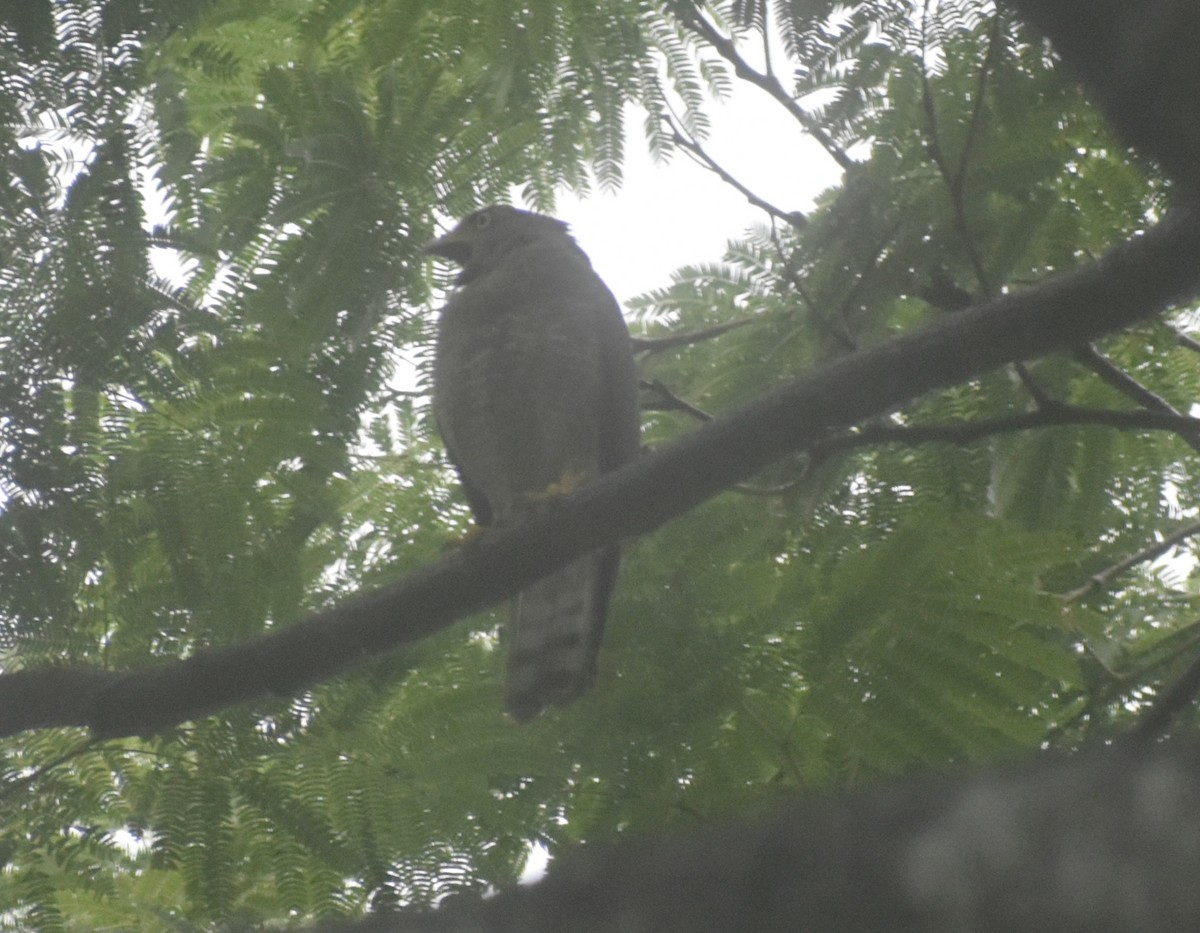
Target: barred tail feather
{"x":554,"y":635}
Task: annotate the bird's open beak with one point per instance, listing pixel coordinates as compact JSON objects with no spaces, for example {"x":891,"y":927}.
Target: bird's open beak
{"x":451,"y":246}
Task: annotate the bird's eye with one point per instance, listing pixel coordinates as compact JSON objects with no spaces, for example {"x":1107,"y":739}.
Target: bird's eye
{"x":482,"y":220}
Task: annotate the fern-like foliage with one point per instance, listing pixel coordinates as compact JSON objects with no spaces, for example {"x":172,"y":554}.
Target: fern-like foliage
{"x":195,"y":451}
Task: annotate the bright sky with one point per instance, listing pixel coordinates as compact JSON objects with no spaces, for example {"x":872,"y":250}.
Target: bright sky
{"x":664,"y":217}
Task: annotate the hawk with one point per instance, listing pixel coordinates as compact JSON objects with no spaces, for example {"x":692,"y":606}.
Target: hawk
{"x":534,"y":391}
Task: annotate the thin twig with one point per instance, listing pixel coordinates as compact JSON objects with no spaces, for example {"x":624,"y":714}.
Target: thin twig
{"x":659,"y":344}
{"x":697,"y":152}
{"x":768,"y":82}
{"x":36,"y":774}
{"x":1104,"y":577}
{"x":1036,"y":392}
{"x":1056,"y":415}
{"x":871,"y":264}
{"x":985,"y":70}
{"x":792,"y":277}
{"x":1124,"y":383}
{"x":955,"y":180}
{"x":954,"y":184}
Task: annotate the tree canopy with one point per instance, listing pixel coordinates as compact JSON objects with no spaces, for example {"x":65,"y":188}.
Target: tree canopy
{"x":920,"y":485}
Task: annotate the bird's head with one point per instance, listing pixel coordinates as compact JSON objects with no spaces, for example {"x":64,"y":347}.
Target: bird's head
{"x":481,"y":239}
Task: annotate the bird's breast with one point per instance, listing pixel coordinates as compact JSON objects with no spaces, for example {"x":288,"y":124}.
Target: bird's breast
{"x":517,"y":386}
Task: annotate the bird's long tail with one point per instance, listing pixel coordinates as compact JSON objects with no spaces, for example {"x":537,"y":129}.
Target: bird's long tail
{"x":554,"y":635}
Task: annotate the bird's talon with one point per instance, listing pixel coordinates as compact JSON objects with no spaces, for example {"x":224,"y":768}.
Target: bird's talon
{"x":473,"y":533}
{"x":568,"y":482}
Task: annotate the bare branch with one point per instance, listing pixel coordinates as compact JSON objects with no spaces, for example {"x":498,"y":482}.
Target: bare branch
{"x":1104,"y":842}
{"x":1120,"y":380}
{"x":768,"y":82}
{"x":1103,"y":578}
{"x":985,"y":71}
{"x":671,"y":341}
{"x":1036,"y":392}
{"x":792,"y":218}
{"x":1055,"y":415}
{"x":1124,"y":383}
{"x":792,"y":277}
{"x":954,"y":184}
{"x":1131,"y":282}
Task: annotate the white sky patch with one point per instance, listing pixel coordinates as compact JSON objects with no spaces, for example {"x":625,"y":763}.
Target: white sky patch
{"x":672,"y":215}
{"x":535,"y":864}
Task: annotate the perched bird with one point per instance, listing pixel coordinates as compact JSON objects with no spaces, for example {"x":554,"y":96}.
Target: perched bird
{"x":535,"y":391}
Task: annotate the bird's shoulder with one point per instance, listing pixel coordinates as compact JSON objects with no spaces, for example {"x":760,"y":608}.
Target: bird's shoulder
{"x":546,"y":272}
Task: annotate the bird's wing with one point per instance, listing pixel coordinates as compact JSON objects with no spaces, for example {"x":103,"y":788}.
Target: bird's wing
{"x":480,"y":507}
{"x":558,"y":623}
{"x":619,"y":422}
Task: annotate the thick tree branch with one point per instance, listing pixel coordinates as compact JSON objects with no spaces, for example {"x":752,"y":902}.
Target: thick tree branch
{"x":1107,"y":842}
{"x":1130,"y":283}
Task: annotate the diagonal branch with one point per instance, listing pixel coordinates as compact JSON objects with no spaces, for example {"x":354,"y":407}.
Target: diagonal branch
{"x":985,"y":72}
{"x":1120,"y":380}
{"x":1189,"y":343}
{"x":768,"y":82}
{"x":1124,"y":383}
{"x":1103,"y":578}
{"x":700,"y":154}
{"x":791,"y":275}
{"x":671,"y":341}
{"x":955,"y":183}
{"x":1130,"y":283}
{"x":1055,"y":415}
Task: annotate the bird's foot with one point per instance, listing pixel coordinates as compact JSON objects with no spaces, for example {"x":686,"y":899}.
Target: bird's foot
{"x":568,"y":482}
{"x":473,"y":533}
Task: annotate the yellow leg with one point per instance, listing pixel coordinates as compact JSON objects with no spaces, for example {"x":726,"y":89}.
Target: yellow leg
{"x":462,"y":540}
{"x":568,"y":482}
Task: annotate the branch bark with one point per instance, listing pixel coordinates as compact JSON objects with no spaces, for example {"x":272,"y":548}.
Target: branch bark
{"x":1107,"y":842}
{"x":1133,"y":281}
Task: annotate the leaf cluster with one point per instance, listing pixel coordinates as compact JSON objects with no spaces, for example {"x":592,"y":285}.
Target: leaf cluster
{"x":214,"y":354}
